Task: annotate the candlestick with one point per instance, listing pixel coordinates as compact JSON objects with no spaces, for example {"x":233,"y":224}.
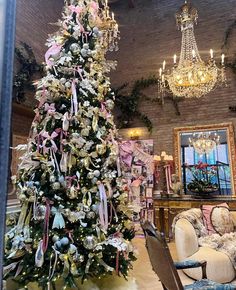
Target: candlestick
{"x":193,"y":53}
{"x":160,"y":71}
{"x":112,"y":16}
{"x":175,"y":57}
{"x":106,"y":3}
{"x":222,"y":59}
{"x":164,"y":65}
{"x":211,"y":53}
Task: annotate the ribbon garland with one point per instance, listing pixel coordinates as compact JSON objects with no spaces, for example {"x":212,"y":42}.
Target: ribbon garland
{"x":74,"y":99}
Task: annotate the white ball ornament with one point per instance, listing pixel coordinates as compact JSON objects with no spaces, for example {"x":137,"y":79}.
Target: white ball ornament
{"x":75,"y":48}
{"x":96,"y":173}
{"x":68,"y":85}
{"x":63,"y":81}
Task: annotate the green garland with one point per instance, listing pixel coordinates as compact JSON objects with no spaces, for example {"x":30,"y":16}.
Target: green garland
{"x":232,"y":64}
{"x":127,"y":104}
{"x":28,"y":68}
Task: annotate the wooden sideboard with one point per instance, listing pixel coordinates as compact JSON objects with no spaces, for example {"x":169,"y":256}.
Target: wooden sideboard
{"x":166,"y":208}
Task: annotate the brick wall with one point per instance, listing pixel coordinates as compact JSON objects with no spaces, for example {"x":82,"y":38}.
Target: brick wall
{"x":149,"y":35}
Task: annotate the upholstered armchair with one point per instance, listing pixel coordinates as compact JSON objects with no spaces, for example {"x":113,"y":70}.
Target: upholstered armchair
{"x":219,"y":266}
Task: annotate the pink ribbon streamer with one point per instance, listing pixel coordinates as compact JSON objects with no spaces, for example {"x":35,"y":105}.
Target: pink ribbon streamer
{"x":70,"y":234}
{"x":46,"y":227}
{"x":103,"y":209}
{"x":62,"y":134}
{"x":53,"y":50}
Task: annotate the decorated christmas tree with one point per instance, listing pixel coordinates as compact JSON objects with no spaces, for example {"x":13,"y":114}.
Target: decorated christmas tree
{"x":75,"y":221}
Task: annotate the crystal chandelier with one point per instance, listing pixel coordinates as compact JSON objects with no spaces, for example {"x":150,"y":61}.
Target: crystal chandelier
{"x":191,"y":77}
{"x":204,"y":142}
{"x":110,"y":29}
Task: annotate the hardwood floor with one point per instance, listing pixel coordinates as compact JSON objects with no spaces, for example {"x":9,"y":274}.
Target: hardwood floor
{"x":142,"y":272}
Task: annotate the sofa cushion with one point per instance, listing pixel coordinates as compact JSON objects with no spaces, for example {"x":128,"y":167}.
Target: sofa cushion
{"x":221,"y":220}
{"x":219,"y":266}
{"x":207,"y":218}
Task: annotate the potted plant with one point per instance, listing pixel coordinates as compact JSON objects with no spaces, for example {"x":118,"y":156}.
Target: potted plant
{"x":203,"y":182}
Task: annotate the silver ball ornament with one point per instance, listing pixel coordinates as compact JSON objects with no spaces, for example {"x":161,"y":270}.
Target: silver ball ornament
{"x":55,"y":238}
{"x":91,"y":215}
{"x":52,"y":178}
{"x":75,"y":48}
{"x":68,"y":85}
{"x":56,"y":185}
{"x":90,"y":175}
{"x":90,"y":242}
{"x":63,"y":81}
{"x":96,"y":173}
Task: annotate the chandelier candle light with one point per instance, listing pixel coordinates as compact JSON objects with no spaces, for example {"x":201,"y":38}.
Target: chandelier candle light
{"x":191,"y":77}
{"x":204,"y":142}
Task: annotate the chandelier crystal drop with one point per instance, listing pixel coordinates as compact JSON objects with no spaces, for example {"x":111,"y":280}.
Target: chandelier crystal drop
{"x":191,"y":77}
{"x":204,"y":142}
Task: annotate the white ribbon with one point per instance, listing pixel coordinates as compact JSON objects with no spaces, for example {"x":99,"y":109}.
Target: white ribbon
{"x":103,"y":209}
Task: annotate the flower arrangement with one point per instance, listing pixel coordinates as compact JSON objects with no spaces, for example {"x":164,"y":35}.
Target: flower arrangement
{"x":203,"y":178}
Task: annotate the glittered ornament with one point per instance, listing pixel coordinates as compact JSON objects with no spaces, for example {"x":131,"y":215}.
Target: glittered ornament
{"x":52,"y":178}
{"x":101,"y":149}
{"x":91,"y":215}
{"x":56,"y":185}
{"x":90,"y":175}
{"x":75,"y":48}
{"x":68,"y":85}
{"x":64,"y":241}
{"x":55,"y":238}
{"x":84,"y":52}
{"x":72,"y":192}
{"x":81,"y":258}
{"x":22,"y":197}
{"x":90,"y":242}
{"x":40,"y":212}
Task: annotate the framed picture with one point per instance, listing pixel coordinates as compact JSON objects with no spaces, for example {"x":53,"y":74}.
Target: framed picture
{"x":136,"y":170}
{"x":148,"y":192}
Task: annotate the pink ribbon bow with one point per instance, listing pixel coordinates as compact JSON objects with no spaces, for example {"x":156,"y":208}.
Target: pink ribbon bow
{"x":53,"y":50}
{"x":69,"y":179}
{"x":49,"y":138}
{"x":50,"y":108}
{"x":77,"y":10}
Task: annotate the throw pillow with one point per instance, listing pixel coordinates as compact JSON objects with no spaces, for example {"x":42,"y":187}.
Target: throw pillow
{"x":207,"y":220}
{"x":221,"y":220}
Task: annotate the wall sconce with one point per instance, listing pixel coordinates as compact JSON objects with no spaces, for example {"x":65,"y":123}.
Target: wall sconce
{"x":134,"y":134}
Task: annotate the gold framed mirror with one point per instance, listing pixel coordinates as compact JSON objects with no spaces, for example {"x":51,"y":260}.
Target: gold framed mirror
{"x":212,"y":145}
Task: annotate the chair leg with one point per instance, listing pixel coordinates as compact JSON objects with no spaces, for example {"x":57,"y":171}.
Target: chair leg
{"x":164,"y":288}
{"x":204,"y":274}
